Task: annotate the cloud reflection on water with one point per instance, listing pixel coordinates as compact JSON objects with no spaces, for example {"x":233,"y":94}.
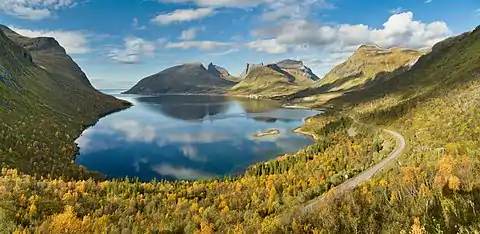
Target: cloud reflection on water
{"x":149,"y":143}
{"x":180,"y":173}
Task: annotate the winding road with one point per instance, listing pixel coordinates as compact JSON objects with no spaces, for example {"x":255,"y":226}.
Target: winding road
{"x":364,"y":176}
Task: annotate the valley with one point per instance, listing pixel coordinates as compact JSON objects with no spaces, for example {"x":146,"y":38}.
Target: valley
{"x":395,"y":147}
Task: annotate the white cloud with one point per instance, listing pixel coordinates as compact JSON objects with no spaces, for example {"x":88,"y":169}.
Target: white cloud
{"x":270,"y":46}
{"x":180,"y":173}
{"x":183,"y":15}
{"x":225,"y":52}
{"x":222,"y":3}
{"x":396,"y":10}
{"x":34,"y":9}
{"x":190,"y":34}
{"x":136,"y":25}
{"x":293,"y":9}
{"x":202,"y":45}
{"x":399,"y":30}
{"x":74,"y":42}
{"x":134,"y":48}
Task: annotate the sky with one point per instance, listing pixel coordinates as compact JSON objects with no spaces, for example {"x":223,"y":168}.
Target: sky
{"x":118,"y":42}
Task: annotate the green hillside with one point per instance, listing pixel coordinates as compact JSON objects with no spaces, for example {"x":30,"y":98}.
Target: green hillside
{"x":367,"y":66}
{"x":265,"y":82}
{"x":275,"y":80}
{"x":432,"y":188}
{"x":42,"y":108}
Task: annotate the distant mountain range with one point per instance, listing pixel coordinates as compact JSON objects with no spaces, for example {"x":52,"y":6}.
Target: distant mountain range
{"x":186,"y":78}
{"x":257,"y":80}
{"x":285,"y":79}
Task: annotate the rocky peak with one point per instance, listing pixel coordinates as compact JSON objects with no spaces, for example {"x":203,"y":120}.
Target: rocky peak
{"x":295,"y":66}
{"x":290,"y":63}
{"x":249,"y":68}
{"x":218,"y":71}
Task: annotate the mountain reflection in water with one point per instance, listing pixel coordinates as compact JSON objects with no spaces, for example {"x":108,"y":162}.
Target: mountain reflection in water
{"x":187,"y":137}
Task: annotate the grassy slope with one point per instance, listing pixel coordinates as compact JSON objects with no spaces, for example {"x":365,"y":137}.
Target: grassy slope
{"x":436,"y":186}
{"x":268,"y":82}
{"x":42,"y":117}
{"x":367,"y":66}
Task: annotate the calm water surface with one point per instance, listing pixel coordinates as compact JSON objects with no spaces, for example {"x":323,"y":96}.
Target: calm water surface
{"x":177,"y":137}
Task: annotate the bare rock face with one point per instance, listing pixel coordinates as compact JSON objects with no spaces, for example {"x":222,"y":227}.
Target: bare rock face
{"x":218,"y":71}
{"x":294,"y":66}
{"x":249,"y":68}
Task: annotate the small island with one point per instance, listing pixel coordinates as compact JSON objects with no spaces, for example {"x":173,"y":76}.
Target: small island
{"x":270,"y":132}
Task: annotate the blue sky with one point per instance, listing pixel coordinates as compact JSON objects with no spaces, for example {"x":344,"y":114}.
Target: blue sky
{"x":118,"y":42}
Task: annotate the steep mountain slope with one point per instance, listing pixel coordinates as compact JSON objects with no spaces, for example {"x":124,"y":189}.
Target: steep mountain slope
{"x":274,"y":80}
{"x":450,"y":62}
{"x":222,"y":73}
{"x":302,"y":73}
{"x":186,"y":78}
{"x":433,"y":188}
{"x":42,"y":111}
{"x":435,"y":185}
{"x":249,"y":68}
{"x":49,"y":55}
{"x":365,"y":64}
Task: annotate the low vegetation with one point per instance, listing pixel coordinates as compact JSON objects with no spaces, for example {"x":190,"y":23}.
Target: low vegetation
{"x":434,"y":187}
{"x":247,"y":203}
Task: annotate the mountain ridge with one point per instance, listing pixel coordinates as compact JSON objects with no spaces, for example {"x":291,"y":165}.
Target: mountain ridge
{"x":33,"y":92}
{"x":184,"y":78}
{"x":274,"y":80}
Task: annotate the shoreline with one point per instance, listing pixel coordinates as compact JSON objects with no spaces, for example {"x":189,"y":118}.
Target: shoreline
{"x":126,"y":105}
{"x":299,"y":130}
{"x":123,"y":105}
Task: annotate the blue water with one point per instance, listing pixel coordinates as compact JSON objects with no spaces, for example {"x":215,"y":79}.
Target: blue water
{"x":175,"y":137}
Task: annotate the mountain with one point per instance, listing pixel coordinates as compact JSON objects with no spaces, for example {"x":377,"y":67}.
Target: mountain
{"x":436,"y":106}
{"x":366,"y":63}
{"x":47,"y":53}
{"x":432,"y":187}
{"x":45,"y":102}
{"x":249,"y":68}
{"x":298,"y":69}
{"x":222,"y":73}
{"x":450,"y":62}
{"x":186,"y":78}
{"x":274,"y":80}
